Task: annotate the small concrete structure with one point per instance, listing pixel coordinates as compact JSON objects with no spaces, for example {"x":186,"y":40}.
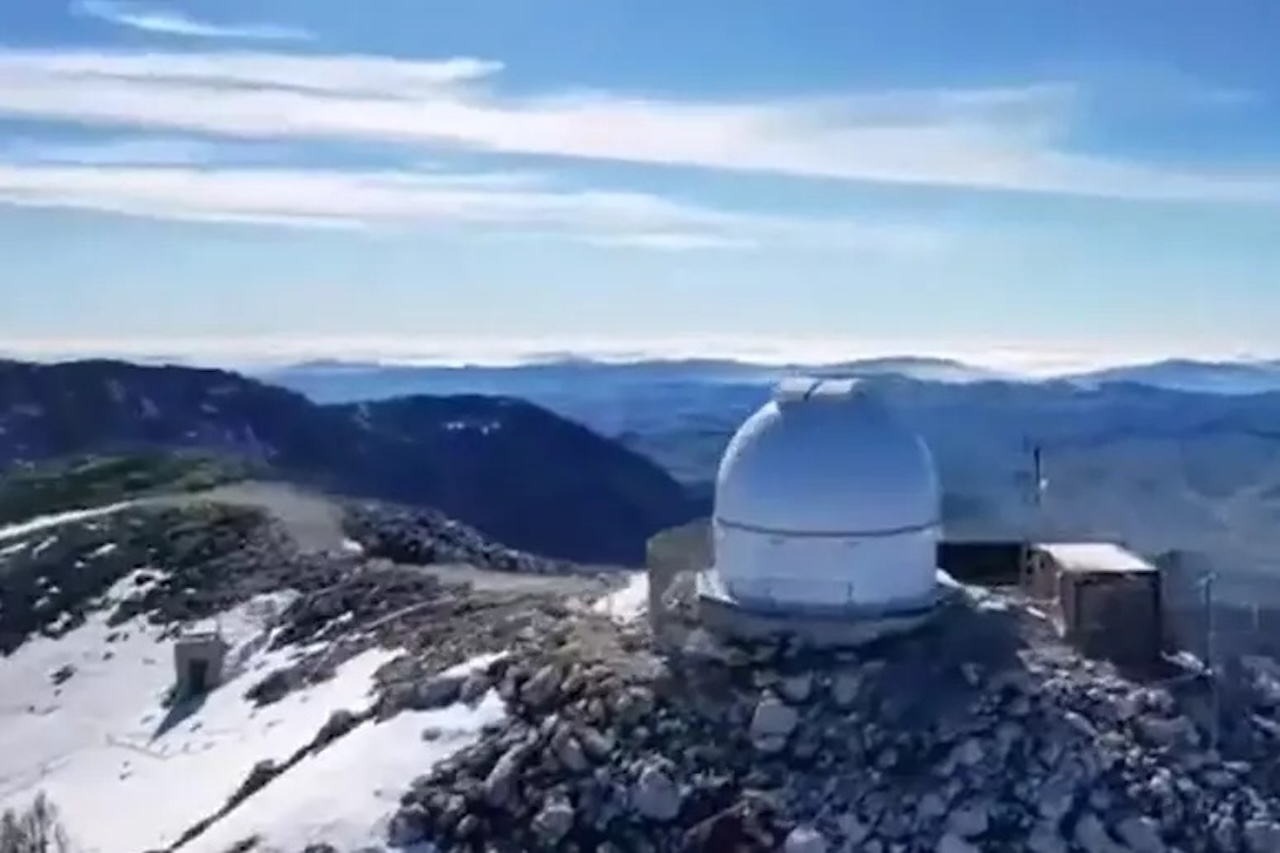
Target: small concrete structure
{"x":826,"y":521}
{"x":199,"y":660}
{"x":1105,"y":599}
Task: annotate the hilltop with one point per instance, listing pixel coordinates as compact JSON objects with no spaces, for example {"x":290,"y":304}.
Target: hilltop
{"x":397,"y":678}
{"x":525,"y":476}
{"x":333,"y":609}
{"x":488,"y":701}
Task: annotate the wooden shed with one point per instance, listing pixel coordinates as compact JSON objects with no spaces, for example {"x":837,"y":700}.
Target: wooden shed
{"x":1105,"y":598}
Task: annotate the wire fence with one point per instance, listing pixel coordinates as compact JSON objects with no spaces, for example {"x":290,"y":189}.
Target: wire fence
{"x":1219,"y":616}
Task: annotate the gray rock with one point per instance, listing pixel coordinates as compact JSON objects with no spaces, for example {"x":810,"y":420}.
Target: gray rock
{"x":805,"y":839}
{"x":436,"y":692}
{"x":407,"y":827}
{"x":969,"y":821}
{"x":1262,"y":836}
{"x":852,"y":830}
{"x":952,"y":843}
{"x":969,"y":753}
{"x":1168,"y":732}
{"x":655,"y":794}
{"x":1045,"y":838}
{"x":1141,"y":834}
{"x":772,"y":724}
{"x":554,"y":821}
{"x":797,"y":688}
{"x":541,"y":686}
{"x":1091,"y":835}
{"x":844,"y":689}
{"x":474,"y":686}
{"x":931,"y":807}
{"x":500,"y":784}
{"x":595,"y":745}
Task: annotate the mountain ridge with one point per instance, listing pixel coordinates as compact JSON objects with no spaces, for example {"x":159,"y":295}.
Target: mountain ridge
{"x":522,"y":474}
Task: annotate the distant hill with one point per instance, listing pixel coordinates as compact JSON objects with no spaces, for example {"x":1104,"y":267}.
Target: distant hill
{"x":329,"y":381}
{"x":1173,"y":455}
{"x":517,"y":472}
{"x":1206,"y":377}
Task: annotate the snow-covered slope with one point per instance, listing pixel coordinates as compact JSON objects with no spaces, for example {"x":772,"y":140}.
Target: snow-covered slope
{"x":346,"y":794}
{"x":83,"y":719}
{"x":101,"y":742}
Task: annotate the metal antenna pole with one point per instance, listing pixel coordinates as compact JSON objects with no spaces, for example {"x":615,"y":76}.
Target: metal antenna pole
{"x":1211,"y":657}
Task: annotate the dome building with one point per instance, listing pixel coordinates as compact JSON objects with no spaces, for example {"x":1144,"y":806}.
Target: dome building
{"x":827,"y":508}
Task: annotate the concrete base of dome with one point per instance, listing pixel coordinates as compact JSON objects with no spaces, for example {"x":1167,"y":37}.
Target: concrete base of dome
{"x":819,"y":627}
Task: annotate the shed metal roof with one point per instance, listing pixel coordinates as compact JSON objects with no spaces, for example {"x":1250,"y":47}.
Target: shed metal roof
{"x":1094,"y":557}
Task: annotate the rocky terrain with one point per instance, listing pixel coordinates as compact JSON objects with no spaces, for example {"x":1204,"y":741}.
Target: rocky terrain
{"x":164,"y":563}
{"x":980,"y":734}
{"x":520,"y":474}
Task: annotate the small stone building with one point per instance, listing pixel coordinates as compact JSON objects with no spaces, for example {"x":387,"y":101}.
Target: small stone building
{"x":1104,"y":598}
{"x":199,"y":659}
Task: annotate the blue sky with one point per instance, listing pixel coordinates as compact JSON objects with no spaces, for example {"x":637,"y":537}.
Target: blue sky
{"x":1016,"y":182}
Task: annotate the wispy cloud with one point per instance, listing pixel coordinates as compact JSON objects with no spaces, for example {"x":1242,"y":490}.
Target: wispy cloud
{"x":995,"y":139}
{"x":164,"y":22}
{"x":496,"y":202}
{"x":112,"y":152}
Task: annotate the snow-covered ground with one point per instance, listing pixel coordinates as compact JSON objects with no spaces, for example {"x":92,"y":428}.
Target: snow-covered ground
{"x":346,"y":794}
{"x":627,"y":603}
{"x":45,"y":522}
{"x":99,"y":746}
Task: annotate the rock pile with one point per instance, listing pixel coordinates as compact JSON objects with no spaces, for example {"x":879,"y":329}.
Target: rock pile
{"x":425,"y":536}
{"x":979,"y":734}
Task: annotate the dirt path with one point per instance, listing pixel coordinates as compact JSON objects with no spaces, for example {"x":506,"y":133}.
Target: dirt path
{"x":315,"y":523}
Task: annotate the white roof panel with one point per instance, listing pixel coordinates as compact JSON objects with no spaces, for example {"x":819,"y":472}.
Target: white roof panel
{"x":793,"y":389}
{"x":1094,"y":557}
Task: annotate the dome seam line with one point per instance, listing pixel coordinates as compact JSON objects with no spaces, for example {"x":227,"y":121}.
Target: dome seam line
{"x":881,"y":533}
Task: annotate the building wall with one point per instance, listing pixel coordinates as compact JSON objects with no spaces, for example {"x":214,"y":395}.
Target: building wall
{"x":826,"y":570}
{"x":1116,"y":616}
{"x":983,"y":563}
{"x":211,"y":649}
{"x":1042,"y":576}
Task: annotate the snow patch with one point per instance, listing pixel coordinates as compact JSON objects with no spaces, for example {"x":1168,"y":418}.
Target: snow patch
{"x":482,"y":427}
{"x":628,"y":603}
{"x":102,"y":746}
{"x":346,"y":794}
{"x":57,"y":519}
{"x":10,"y":550}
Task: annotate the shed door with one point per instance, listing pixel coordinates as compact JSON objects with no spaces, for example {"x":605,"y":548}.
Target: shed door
{"x":198,"y":676}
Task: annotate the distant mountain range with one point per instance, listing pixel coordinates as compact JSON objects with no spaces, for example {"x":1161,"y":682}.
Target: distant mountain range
{"x":1165,"y":456}
{"x":527,"y":477}
{"x":339,"y":381}
{"x":1171,"y":456}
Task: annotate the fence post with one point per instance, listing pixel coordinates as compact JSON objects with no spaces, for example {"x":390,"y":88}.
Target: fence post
{"x":1211,"y":664}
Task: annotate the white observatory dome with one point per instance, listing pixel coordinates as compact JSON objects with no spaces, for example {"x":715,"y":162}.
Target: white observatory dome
{"x":825,"y":500}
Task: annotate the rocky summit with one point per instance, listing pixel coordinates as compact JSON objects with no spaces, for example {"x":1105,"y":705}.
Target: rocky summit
{"x":980,"y":733}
